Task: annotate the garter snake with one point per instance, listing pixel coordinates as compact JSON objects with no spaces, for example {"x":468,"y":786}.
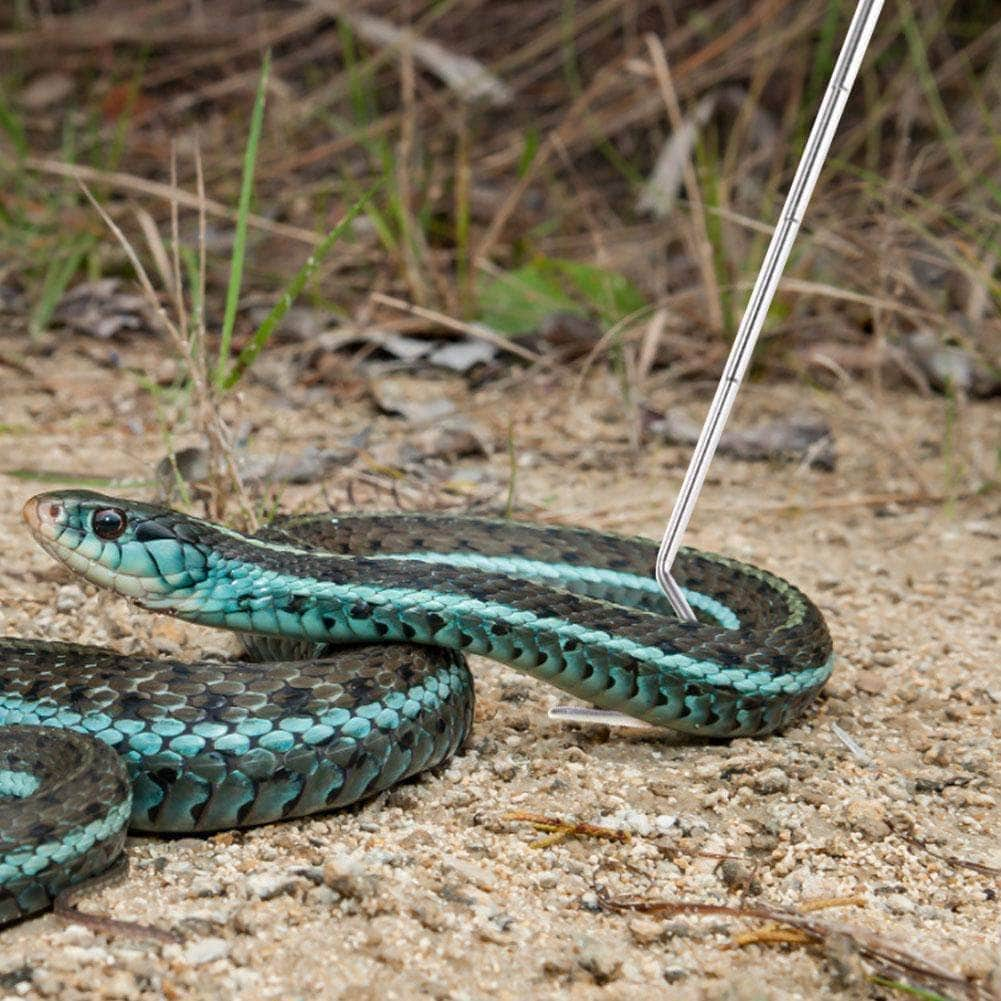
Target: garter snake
{"x":207,"y":746}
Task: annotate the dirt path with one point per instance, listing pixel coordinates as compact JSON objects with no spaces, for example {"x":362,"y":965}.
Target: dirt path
{"x":429,"y":891}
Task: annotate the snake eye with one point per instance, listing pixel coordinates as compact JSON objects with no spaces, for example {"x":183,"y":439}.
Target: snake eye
{"x":108,"y":523}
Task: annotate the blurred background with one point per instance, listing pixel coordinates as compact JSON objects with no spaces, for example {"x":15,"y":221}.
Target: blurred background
{"x":589,"y":179}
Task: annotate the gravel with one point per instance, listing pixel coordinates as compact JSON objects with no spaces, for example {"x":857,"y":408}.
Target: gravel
{"x":430,"y":890}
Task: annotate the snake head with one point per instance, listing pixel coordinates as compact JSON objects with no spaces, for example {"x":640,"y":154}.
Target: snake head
{"x":148,"y":553}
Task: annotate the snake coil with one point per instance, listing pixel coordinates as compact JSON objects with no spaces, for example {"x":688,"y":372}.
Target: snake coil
{"x":208,"y":746}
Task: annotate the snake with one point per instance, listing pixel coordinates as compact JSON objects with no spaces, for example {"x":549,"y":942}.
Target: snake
{"x":355,"y":678}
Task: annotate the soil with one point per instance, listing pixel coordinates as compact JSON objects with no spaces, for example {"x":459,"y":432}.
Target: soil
{"x":886,"y":792}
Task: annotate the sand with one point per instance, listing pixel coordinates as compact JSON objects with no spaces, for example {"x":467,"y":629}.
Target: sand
{"x":431,"y":890}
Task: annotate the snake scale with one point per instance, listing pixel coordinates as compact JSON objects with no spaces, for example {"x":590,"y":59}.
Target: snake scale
{"x":205,"y":746}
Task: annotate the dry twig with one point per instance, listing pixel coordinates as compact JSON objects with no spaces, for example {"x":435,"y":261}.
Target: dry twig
{"x":885,"y":953}
{"x":559,"y":830}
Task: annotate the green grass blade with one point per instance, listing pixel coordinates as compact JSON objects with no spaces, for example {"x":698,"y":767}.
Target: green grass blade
{"x":919,"y":57}
{"x":243,"y":210}
{"x":12,"y":126}
{"x":58,"y":275}
{"x":68,"y":479}
{"x":914,"y":992}
{"x":821,"y":69}
{"x":291,"y":292}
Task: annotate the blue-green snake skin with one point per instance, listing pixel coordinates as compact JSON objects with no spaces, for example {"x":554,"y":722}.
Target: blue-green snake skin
{"x":207,"y":746}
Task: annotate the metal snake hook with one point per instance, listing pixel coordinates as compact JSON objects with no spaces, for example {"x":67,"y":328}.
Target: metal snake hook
{"x":815,"y":152}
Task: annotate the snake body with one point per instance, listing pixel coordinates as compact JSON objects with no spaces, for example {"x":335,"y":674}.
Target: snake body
{"x":208,"y":746}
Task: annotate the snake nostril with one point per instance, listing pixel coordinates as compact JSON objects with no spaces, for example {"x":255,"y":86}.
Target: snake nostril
{"x":39,"y":511}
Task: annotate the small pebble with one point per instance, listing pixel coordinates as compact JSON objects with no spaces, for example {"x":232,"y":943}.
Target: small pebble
{"x":867,"y":817}
{"x":504,"y":768}
{"x":348,"y":877}
{"x":771,"y":780}
{"x":205,"y":886}
{"x":69,"y":598}
{"x":734,"y":873}
{"x":601,"y":959}
{"x":664,"y":822}
{"x":205,"y":950}
{"x":870,"y":682}
{"x":557,"y":964}
{"x":268,"y":885}
{"x":644,"y":931}
{"x":468,"y":872}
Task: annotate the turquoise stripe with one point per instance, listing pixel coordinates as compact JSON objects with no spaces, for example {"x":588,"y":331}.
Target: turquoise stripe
{"x":560,"y":574}
{"x":32,"y":859}
{"x":18,"y":785}
{"x":216,"y":595}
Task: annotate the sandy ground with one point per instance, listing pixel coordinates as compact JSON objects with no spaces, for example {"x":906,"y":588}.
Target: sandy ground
{"x":430,"y":890}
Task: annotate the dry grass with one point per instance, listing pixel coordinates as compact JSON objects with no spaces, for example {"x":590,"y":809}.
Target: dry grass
{"x":548,"y":161}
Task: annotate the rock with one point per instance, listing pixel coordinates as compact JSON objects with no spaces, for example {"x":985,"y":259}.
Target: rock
{"x":431,"y":915}
{"x":46,"y":91}
{"x":949,"y":367}
{"x":453,"y":438}
{"x":734,"y":873}
{"x":504,"y":768}
{"x":630,"y":821}
{"x":664,"y":822}
{"x":206,"y":886}
{"x":557,"y":964}
{"x":461,"y":356}
{"x":868,"y":818}
{"x":979,"y":962}
{"x":44,"y":981}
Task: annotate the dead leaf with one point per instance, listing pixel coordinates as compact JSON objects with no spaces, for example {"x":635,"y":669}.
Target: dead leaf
{"x":468,"y":77}
{"x":393,"y":399}
{"x":45,"y":91}
{"x":801,"y":437}
{"x":950,"y":367}
{"x":102,"y":309}
{"x":461,"y":356}
{"x":454,"y":438}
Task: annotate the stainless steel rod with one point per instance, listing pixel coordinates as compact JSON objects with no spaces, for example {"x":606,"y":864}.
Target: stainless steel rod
{"x":814,"y":154}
